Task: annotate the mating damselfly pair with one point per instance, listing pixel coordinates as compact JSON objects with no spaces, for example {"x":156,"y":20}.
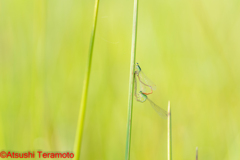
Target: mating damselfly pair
{"x":146,"y":87}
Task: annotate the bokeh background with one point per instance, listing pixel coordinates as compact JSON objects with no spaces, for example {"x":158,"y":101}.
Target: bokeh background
{"x":189,"y":48}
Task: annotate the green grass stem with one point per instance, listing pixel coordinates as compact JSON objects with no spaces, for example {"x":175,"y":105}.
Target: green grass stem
{"x":169,"y":133}
{"x":131,"y":80}
{"x":79,"y":132}
{"x":197,"y":153}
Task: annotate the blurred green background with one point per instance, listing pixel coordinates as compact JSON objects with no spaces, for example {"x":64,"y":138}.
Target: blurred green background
{"x":189,"y":48}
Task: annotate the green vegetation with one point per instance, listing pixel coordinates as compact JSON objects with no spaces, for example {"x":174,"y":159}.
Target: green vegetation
{"x":169,"y":132}
{"x":131,"y":81}
{"x":189,"y":49}
{"x":78,"y":139}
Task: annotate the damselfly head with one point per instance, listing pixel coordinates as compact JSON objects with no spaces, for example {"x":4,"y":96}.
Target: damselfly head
{"x":142,"y":95}
{"x":138,"y":68}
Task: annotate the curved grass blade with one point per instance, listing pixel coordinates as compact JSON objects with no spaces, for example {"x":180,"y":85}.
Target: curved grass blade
{"x":81,"y":117}
{"x":169,"y":133}
{"x":162,"y":113}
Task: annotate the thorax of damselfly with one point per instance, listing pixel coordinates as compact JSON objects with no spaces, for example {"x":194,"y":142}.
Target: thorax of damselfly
{"x":143,"y":96}
{"x":138,"y":68}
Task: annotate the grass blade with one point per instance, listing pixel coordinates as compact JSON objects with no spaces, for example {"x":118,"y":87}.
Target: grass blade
{"x":78,"y":139}
{"x":131,"y":80}
{"x":169,"y":133}
{"x":197,"y":153}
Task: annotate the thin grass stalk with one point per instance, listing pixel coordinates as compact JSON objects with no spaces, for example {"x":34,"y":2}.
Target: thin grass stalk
{"x":131,"y":80}
{"x":197,"y":153}
{"x":169,"y":133}
{"x":78,"y":139}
